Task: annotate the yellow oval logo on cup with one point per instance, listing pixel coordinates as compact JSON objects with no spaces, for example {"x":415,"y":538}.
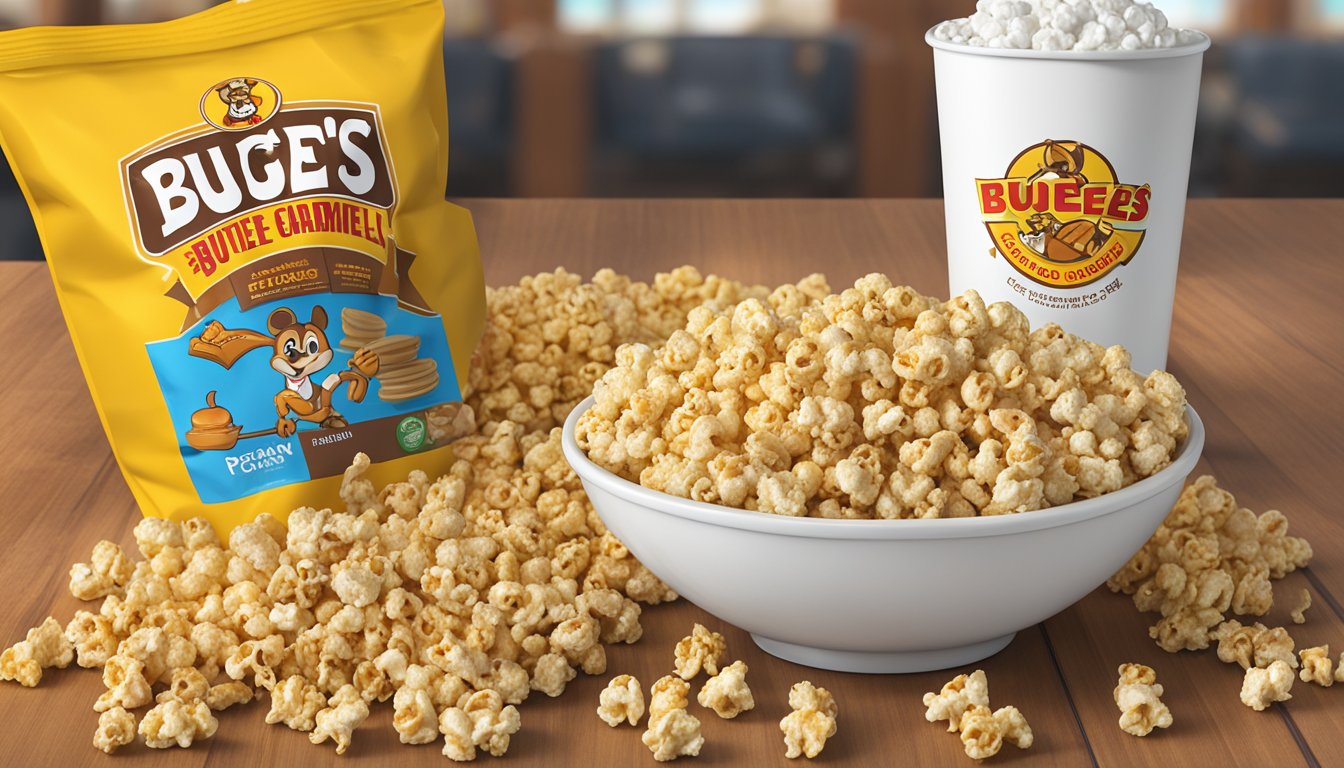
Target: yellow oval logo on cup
{"x":1061,"y":217}
{"x":239,"y":103}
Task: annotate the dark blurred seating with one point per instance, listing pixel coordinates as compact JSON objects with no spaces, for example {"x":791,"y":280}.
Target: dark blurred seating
{"x":1286,"y":136}
{"x":725,"y":116}
{"x":480,"y":77}
{"x":18,"y":237}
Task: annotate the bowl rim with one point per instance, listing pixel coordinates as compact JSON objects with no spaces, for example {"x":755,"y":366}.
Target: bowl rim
{"x":1197,"y":46}
{"x":1187,"y":456}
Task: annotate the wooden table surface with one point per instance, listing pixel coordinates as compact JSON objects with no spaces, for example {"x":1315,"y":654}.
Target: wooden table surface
{"x":1256,"y":341}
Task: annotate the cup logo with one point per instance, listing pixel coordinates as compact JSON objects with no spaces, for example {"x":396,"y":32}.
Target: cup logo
{"x":1061,"y":217}
{"x":239,"y":103}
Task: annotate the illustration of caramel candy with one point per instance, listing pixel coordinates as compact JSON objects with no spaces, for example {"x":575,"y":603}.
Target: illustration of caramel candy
{"x":212,"y":416}
{"x":212,"y":427}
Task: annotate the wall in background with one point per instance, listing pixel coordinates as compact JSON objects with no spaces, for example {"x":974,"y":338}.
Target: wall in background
{"x":796,"y":98}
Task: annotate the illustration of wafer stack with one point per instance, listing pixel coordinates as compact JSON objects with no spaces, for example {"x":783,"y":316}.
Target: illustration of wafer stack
{"x":361,"y":328}
{"x":402,"y":375}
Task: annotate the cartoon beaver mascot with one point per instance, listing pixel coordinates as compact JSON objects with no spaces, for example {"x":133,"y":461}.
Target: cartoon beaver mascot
{"x":244,"y":106}
{"x":300,"y":351}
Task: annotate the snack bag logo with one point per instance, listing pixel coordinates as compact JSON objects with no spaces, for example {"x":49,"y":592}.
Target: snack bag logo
{"x":1061,"y":217}
{"x":257,"y":178}
{"x":239,"y":103}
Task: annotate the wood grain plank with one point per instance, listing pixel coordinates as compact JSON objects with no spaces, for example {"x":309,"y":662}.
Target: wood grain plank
{"x":1103,"y":631}
{"x":1315,"y":711}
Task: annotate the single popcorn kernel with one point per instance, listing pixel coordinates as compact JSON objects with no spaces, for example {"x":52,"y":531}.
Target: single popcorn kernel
{"x":127,"y":687}
{"x":44,"y":647}
{"x":983,"y":732}
{"x":727,"y":692}
{"x":116,"y":729}
{"x":1137,"y":694}
{"x":1299,"y":613}
{"x":220,"y":697}
{"x":456,"y":729}
{"x":1262,"y":687}
{"x":295,"y":702}
{"x":338,"y":721}
{"x":702,"y":649}
{"x":668,"y":693}
{"x":1317,"y":666}
{"x":959,"y":694}
{"x":492,"y":723}
{"x":107,"y":572}
{"x":672,"y":734}
{"x":812,"y":721}
{"x":177,"y":722}
{"x":980,"y":734}
{"x":413,"y":716}
{"x":1013,"y":725}
{"x":622,"y":701}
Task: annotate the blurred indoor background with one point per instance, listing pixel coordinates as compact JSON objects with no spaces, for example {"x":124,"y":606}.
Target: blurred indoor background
{"x":787,"y":98}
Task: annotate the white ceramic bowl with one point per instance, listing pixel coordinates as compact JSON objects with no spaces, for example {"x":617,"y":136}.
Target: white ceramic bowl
{"x":882,"y":596}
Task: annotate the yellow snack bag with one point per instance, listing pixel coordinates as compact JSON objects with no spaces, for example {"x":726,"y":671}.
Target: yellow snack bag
{"x":243,"y":214}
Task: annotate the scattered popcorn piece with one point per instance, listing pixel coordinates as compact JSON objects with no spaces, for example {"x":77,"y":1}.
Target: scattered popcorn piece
{"x":338,"y":721}
{"x":1262,"y":687}
{"x":456,"y":729}
{"x":812,"y":721}
{"x":116,"y":729}
{"x":492,"y":723}
{"x":221,"y":697}
{"x":1138,"y":695}
{"x":1255,"y":645}
{"x":127,"y":687}
{"x":702,"y":649}
{"x":959,"y":694}
{"x":177,"y":722}
{"x":295,"y":702}
{"x":668,"y":693}
{"x":1207,"y":558}
{"x":1299,"y":613}
{"x":673,"y":734}
{"x":1317,"y":666}
{"x":980,"y":734}
{"x":44,"y":647}
{"x":186,"y":684}
{"x":551,"y":674}
{"x":413,"y":714}
{"x":983,"y":732}
{"x":727,"y":693}
{"x":107,"y":572}
{"x":622,"y":701}
{"x":1013,"y":725}
{"x":964,"y":703}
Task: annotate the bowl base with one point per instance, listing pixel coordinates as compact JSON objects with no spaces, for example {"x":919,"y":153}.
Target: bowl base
{"x":883,"y":662}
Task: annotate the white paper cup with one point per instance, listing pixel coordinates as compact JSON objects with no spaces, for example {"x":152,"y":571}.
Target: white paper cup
{"x":1064,"y":182}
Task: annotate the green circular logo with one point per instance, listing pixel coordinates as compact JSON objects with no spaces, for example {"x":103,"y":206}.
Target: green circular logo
{"x":411,"y":433}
